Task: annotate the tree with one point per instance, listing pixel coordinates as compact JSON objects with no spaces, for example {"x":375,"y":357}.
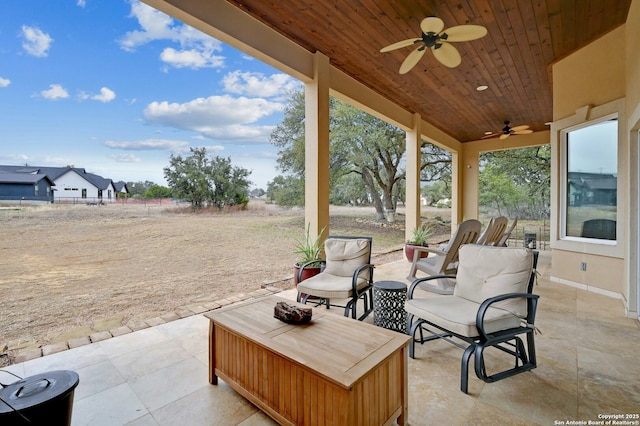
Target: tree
{"x":203,"y":180}
{"x":517,"y":181}
{"x":157,"y":191}
{"x":365,"y":163}
{"x":137,"y":189}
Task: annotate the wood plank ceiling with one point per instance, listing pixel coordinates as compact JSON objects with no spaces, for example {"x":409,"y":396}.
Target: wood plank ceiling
{"x":514,"y":60}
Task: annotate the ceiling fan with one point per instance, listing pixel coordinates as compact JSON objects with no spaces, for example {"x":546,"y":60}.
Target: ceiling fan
{"x":436,"y":38}
{"x":508,"y":131}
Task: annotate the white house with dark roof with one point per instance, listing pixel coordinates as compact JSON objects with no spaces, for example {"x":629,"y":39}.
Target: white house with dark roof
{"x":71,"y":184}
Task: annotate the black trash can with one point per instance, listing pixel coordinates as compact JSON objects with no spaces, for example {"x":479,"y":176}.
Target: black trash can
{"x":530,"y":241}
{"x":43,"y":399}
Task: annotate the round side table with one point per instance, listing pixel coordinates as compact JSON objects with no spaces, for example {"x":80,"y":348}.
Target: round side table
{"x":388,"y":305}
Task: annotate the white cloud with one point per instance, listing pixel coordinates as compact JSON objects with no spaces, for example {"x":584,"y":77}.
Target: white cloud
{"x":55,"y":92}
{"x":217,"y":117}
{"x":257,"y":84}
{"x":106,"y":95}
{"x":17,"y":159}
{"x":196,"y":49}
{"x":81,"y":3}
{"x":125,"y":158}
{"x":37,"y":43}
{"x":149,"y":145}
{"x":192,"y":58}
{"x":4,"y":82}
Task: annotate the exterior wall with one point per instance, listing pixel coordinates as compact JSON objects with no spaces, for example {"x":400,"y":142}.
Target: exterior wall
{"x":23,"y":191}
{"x":632,"y":107}
{"x":589,"y":84}
{"x":69,"y":186}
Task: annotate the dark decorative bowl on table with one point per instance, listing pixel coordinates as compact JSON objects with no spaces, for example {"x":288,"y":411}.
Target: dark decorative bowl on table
{"x":291,"y":314}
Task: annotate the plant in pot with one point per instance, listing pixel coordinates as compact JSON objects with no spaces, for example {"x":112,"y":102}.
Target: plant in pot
{"x":419,"y":239}
{"x":309,"y":263}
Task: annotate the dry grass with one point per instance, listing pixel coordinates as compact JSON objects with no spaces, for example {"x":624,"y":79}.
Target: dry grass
{"x":71,"y":270}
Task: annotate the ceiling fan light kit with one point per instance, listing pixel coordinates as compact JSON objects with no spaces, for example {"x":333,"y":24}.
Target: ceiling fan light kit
{"x":435,"y":38}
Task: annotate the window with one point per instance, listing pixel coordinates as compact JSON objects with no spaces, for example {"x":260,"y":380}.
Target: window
{"x":36,"y":190}
{"x":84,"y":192}
{"x":591,"y":183}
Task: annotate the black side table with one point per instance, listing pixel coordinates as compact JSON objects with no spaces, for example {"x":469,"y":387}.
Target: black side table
{"x":388,"y":305}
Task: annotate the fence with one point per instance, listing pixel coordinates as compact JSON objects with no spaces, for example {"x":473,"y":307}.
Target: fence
{"x":102,"y":201}
{"x":525,"y":235}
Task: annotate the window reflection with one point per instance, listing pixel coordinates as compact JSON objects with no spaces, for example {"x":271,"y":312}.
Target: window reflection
{"x":592,"y":181}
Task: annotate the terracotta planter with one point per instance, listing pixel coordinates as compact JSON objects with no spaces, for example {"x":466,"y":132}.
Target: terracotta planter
{"x":308,"y":272}
{"x":409,"y":249}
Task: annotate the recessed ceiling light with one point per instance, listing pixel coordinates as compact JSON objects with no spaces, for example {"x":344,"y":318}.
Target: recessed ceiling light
{"x":488,"y":133}
{"x":481,"y":88}
{"x":548,"y":123}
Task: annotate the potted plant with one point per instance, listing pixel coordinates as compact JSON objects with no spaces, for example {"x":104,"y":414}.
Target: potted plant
{"x":309,"y":250}
{"x":419,"y":239}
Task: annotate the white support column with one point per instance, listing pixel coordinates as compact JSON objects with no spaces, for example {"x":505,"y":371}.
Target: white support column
{"x":316,"y":208}
{"x":414,"y":141}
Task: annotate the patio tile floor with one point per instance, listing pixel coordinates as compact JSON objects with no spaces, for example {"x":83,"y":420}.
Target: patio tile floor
{"x":587,"y":367}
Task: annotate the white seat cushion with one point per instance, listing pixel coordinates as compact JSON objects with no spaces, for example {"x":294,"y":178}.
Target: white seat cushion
{"x":330,"y":286}
{"x":345,"y":255}
{"x":486,"y":271}
{"x":458,"y":315}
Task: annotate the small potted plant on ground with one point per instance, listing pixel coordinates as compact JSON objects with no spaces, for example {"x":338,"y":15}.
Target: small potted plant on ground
{"x":309,"y":250}
{"x":419,"y":239}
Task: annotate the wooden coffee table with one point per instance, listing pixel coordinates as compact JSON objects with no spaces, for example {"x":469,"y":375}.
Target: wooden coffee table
{"x":332,"y":370}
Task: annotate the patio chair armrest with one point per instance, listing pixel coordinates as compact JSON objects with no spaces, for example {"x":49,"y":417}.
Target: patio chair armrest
{"x":532,"y":303}
{"x":356,"y":274}
{"x":422,"y":249}
{"x":302,"y":267}
{"x":418,"y":281}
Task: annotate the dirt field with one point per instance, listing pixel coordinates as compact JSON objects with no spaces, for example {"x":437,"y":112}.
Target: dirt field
{"x":69,"y":271}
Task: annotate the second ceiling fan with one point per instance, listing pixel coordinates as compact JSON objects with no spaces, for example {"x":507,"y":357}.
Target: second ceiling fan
{"x":437,"y":39}
{"x":508,"y":131}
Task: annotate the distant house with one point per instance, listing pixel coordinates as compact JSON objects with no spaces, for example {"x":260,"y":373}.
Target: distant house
{"x":25,"y":187}
{"x":71,"y":184}
{"x":122,"y":191}
{"x":592,"y":188}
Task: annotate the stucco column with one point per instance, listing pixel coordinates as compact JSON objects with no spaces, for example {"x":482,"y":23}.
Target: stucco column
{"x":465,"y":175}
{"x":414,"y":142}
{"x":316,"y":206}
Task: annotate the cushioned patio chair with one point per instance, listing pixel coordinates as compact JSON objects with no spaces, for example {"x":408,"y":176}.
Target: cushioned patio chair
{"x":347,"y":274}
{"x":444,"y":259}
{"x":507,"y":234}
{"x":492,"y":307}
{"x":493,"y":232}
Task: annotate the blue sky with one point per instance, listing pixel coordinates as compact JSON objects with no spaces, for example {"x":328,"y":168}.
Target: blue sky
{"x":116,"y":87}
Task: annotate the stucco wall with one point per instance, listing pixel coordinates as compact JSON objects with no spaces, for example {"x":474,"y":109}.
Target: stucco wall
{"x":632,"y":34}
{"x":594,"y":76}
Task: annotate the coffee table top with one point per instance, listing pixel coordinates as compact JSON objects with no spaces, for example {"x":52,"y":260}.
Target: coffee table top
{"x":341,"y":349}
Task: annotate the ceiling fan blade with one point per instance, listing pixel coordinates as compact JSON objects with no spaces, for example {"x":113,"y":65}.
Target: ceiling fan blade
{"x":447,"y":55}
{"x":492,"y":135}
{"x":522,"y":132}
{"x":432,"y":25}
{"x":399,"y":45}
{"x":518,"y":128}
{"x":412,"y":59}
{"x":465,"y":32}
{"x":505,"y":135}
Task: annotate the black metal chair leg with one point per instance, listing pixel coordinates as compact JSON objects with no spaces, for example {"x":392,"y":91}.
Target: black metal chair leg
{"x":464,"y":369}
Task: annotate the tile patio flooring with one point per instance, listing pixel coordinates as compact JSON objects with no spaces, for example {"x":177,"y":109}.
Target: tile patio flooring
{"x":587,"y":366}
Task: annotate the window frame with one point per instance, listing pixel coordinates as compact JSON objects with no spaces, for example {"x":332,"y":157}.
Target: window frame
{"x":563,"y":181}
